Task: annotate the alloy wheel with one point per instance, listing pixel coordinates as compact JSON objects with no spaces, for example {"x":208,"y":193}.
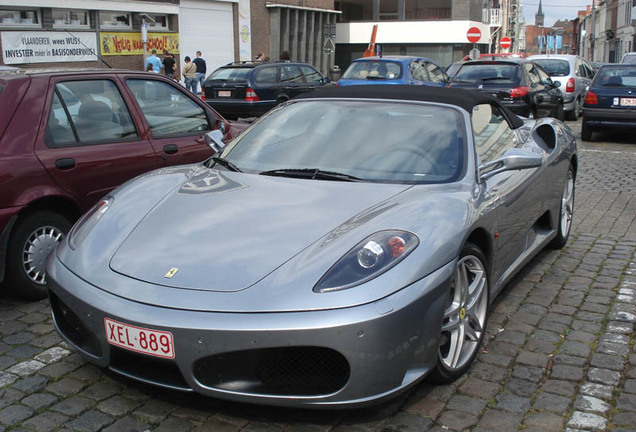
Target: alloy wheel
{"x":465,"y":316}
{"x":567,"y":205}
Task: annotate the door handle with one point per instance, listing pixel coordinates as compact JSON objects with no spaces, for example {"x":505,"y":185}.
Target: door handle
{"x":170,"y":149}
{"x":65,"y":163}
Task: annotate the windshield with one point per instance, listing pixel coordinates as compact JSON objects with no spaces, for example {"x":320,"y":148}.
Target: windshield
{"x":554,"y":67}
{"x":616,"y":77}
{"x":487,"y":72}
{"x":373,"y":69}
{"x":395,"y":142}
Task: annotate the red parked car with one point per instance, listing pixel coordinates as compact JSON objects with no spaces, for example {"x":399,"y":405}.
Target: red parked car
{"x":68,"y":138}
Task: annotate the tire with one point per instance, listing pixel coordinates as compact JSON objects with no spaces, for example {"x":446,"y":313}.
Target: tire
{"x":35,"y":236}
{"x":559,"y":114}
{"x":465,"y":316}
{"x":576,"y":111}
{"x":566,"y":211}
{"x":586,"y":132}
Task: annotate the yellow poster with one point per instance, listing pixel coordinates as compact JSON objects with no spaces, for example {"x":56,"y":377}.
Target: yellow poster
{"x":131,"y":44}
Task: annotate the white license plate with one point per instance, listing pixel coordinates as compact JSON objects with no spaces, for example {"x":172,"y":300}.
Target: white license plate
{"x":147,"y":341}
{"x":628,"y":101}
{"x":224,"y":93}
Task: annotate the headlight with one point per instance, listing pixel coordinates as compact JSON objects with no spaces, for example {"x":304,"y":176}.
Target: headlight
{"x":86,"y":224}
{"x":369,"y":259}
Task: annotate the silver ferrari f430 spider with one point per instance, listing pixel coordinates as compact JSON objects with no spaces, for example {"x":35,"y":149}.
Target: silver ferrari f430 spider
{"x":343,"y":247}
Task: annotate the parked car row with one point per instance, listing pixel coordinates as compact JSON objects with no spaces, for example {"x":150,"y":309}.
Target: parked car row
{"x":68,"y":138}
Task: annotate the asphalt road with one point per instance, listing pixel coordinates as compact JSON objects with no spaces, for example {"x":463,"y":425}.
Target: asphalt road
{"x":559,"y":354}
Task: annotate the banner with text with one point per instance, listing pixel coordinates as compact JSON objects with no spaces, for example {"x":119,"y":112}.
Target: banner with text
{"x":131,"y":44}
{"x":44,"y":47}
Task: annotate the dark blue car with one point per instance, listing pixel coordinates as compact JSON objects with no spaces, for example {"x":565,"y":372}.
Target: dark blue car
{"x":611,"y":100}
{"x":394,"y":70}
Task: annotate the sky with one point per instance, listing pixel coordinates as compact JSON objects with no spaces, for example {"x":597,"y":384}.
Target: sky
{"x":553,"y":10}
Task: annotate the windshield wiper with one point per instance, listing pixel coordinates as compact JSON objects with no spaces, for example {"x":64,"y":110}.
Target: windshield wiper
{"x":226,"y":163}
{"x":310,"y":173}
{"x":494,"y":78}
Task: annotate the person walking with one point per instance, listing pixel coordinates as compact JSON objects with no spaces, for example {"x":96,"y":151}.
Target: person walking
{"x":201,"y":70}
{"x":154,"y":61}
{"x":189,"y":73}
{"x":168,"y":63}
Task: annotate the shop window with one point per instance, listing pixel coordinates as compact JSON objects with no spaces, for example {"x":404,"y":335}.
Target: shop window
{"x":70,"y":18}
{"x":20,"y":18}
{"x":115,"y":20}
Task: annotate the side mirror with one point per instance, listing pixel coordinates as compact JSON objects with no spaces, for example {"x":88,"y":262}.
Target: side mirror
{"x":513,"y":159}
{"x":214,"y":139}
{"x":556,"y":84}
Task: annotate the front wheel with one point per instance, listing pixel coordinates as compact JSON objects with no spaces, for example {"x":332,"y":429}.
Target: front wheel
{"x":465,"y":315}
{"x":34,"y":238}
{"x":565,"y":213}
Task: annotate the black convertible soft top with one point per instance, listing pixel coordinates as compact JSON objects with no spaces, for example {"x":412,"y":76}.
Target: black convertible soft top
{"x":465,"y":99}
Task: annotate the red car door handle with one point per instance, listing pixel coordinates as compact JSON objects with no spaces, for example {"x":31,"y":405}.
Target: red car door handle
{"x":65,"y":163}
{"x":170,"y":149}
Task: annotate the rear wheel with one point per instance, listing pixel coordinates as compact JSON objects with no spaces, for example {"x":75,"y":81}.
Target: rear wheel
{"x":586,"y":132}
{"x":565,"y":213}
{"x":576,"y":111}
{"x":34,"y":238}
{"x":465,"y":316}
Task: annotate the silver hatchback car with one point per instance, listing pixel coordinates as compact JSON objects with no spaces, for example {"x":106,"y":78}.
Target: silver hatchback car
{"x":575,"y":75}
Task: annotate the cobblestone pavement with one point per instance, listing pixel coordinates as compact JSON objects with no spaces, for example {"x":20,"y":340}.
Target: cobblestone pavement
{"x":559,"y":353}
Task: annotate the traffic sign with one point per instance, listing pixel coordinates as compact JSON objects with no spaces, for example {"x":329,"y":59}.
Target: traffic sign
{"x":505,"y":42}
{"x":474,"y":54}
{"x":473,"y":34}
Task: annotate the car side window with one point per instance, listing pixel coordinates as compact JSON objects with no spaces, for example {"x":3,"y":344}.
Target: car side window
{"x":167,"y":110}
{"x":533,"y":76}
{"x":266,"y":75}
{"x":544,"y":78}
{"x":435,"y":73}
{"x":418,"y":71}
{"x":290,"y":74}
{"x":311,"y":75}
{"x":88,"y":111}
{"x":491,"y":133}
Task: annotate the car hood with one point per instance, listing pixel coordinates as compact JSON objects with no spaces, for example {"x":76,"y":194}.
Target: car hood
{"x":224,"y":232}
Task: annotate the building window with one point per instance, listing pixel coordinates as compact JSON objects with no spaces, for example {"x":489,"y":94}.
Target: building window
{"x":115,"y":20}
{"x":427,"y":9}
{"x":389,"y":10}
{"x":70,"y":18}
{"x":161,"y":22}
{"x":20,"y":18}
{"x":355,"y":10}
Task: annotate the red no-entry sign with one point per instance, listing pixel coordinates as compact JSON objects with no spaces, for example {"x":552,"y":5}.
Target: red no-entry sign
{"x":473,"y":34}
{"x":505,"y":42}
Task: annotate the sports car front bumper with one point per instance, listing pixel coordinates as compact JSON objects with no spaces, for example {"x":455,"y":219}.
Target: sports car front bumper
{"x":326,"y":358}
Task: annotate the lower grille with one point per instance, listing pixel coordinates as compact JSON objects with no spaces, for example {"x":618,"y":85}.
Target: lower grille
{"x":287,"y":371}
{"x":149,"y":369}
{"x":72,"y":328}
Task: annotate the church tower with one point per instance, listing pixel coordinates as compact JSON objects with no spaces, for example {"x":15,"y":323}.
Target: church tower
{"x":538,"y":18}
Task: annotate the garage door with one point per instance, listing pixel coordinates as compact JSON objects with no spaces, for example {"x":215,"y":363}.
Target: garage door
{"x":206,"y":26}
